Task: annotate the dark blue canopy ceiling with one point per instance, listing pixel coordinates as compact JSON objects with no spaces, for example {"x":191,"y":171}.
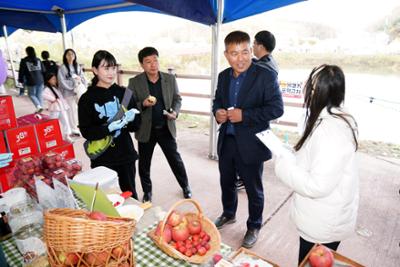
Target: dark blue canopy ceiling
{"x":43,"y":15}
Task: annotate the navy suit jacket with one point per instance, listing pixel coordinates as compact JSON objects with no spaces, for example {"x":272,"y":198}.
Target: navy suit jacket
{"x":260,"y":100}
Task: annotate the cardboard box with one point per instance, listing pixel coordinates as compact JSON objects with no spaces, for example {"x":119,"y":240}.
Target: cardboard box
{"x":4,"y":176}
{"x":22,"y":141}
{"x":66,"y":150}
{"x":7,"y":113}
{"x":338,"y":258}
{"x":32,"y":119}
{"x":243,"y":253}
{"x":3,"y":147}
{"x":48,"y":135}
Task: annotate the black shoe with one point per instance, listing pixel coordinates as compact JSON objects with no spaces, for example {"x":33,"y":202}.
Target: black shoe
{"x":222,"y":220}
{"x":250,"y":238}
{"x":146,"y":197}
{"x":239,"y":184}
{"x":187,"y":193}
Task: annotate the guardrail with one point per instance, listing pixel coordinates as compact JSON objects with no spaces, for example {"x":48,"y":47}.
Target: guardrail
{"x":121,"y":72}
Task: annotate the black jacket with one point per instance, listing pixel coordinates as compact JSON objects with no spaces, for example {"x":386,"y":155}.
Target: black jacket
{"x":261,"y":102}
{"x":31,"y":71}
{"x":98,"y":106}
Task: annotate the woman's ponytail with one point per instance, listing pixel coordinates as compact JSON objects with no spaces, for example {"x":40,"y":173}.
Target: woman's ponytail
{"x":95,"y":80}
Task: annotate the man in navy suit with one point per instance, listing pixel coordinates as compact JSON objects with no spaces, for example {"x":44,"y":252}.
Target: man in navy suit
{"x":247,"y":99}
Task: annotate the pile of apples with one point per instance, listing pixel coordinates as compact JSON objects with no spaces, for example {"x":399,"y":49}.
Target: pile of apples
{"x":50,"y":165}
{"x":98,"y":259}
{"x":186,"y":236}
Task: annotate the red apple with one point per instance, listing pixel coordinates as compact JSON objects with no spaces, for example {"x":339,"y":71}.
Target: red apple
{"x":216,"y":258}
{"x":202,"y":251}
{"x":194,"y":227}
{"x":180,"y":233}
{"x":97,"y":215}
{"x":119,"y":251}
{"x":174,"y":219}
{"x":321,"y":256}
{"x":68,"y":259}
{"x":96,"y":258}
{"x":167,"y":232}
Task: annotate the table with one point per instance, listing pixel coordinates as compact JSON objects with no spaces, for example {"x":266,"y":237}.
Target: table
{"x":147,"y":254}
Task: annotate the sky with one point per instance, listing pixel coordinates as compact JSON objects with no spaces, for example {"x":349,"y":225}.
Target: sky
{"x":341,"y":14}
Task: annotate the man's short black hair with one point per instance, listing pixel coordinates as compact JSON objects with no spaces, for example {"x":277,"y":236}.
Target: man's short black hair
{"x":145,"y":52}
{"x":237,"y":37}
{"x":266,"y":39}
{"x":45,"y":54}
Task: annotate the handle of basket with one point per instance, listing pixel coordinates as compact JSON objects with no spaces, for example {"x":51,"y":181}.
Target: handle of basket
{"x":180,"y":202}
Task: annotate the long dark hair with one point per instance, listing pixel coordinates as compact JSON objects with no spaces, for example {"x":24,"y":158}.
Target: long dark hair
{"x":98,"y":57}
{"x":74,"y":63}
{"x":325,"y":87}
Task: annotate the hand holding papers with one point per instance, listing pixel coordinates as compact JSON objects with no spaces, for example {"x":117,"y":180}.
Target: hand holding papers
{"x":273,"y":143}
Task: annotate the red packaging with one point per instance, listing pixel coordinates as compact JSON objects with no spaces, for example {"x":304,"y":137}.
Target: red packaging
{"x":7,"y":113}
{"x":32,"y":119}
{"x":48,"y":134}
{"x":66,"y":150}
{"x":3,"y":148}
{"x":21,"y":141}
{"x":5,"y":173}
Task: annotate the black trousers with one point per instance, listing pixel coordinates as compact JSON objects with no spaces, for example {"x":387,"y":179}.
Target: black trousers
{"x":230,"y":165}
{"x":126,"y":176}
{"x":306,"y":246}
{"x":170,"y":149}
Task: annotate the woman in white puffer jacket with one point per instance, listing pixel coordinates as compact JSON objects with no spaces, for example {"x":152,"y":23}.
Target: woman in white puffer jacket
{"x":323,"y":170}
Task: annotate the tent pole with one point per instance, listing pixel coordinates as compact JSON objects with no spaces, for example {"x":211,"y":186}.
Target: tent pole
{"x":215,"y":30}
{"x":63,"y":28}
{"x":10,"y":56}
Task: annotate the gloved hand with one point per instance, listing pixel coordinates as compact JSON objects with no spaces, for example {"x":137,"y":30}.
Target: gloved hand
{"x":130,"y":115}
{"x":116,"y":125}
{"x":5,"y":159}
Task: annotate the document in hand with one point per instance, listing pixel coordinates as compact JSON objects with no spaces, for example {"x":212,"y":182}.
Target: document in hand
{"x":271,"y":141}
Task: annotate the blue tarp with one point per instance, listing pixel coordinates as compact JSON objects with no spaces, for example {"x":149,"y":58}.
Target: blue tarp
{"x":41,"y":15}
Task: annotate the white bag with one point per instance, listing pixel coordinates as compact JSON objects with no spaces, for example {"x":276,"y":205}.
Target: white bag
{"x":80,"y":90}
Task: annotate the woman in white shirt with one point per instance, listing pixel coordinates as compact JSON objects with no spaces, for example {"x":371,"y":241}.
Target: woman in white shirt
{"x":323,"y":170}
{"x":70,"y":77}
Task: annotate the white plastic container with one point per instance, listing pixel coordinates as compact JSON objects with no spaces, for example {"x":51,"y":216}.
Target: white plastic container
{"x":107,"y":178}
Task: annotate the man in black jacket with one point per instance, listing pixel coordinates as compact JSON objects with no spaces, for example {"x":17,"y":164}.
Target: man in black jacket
{"x":247,"y":99}
{"x":263,"y":45}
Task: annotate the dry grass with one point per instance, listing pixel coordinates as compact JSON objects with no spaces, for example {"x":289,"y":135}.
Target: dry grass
{"x":200,"y":124}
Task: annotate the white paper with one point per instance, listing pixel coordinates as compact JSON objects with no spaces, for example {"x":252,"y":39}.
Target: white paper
{"x":65,"y":199}
{"x":270,"y":140}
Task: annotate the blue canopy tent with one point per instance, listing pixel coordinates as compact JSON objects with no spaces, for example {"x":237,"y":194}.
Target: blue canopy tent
{"x":63,"y":15}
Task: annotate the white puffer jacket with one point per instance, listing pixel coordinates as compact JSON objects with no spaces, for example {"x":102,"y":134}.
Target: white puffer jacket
{"x":324,"y":176}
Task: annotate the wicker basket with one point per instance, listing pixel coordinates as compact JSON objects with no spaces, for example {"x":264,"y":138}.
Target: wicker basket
{"x":69,"y":231}
{"x":207,"y":225}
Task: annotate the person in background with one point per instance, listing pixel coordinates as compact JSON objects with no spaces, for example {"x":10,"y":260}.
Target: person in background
{"x":323,"y":170}
{"x":49,"y":65}
{"x":158,"y":99}
{"x":56,"y":104}
{"x":70,"y":76}
{"x":30,"y":74}
{"x":3,"y":73}
{"x":97,"y":107}
{"x":263,"y":45}
{"x":246,"y":100}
